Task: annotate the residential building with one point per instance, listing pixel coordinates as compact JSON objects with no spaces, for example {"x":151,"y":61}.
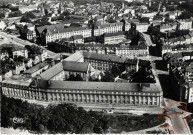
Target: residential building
{"x":100,"y":29}
{"x":37,"y":69}
{"x":104,"y":61}
{"x":18,"y":67}
{"x":142,"y":27}
{"x":5,"y":74}
{"x":185,"y":24}
{"x":114,"y":38}
{"x":132,"y":51}
{"x":2,"y":25}
{"x":19,"y":51}
{"x":50,"y":33}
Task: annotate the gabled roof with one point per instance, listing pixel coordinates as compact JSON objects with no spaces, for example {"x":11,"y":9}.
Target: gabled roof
{"x":75,"y":66}
{"x":59,"y":28}
{"x":147,"y":38}
{"x":53,"y":71}
{"x":36,"y":68}
{"x":114,"y":34}
{"x":108,"y":25}
{"x":74,"y":57}
{"x":104,"y":57}
{"x":110,"y":86}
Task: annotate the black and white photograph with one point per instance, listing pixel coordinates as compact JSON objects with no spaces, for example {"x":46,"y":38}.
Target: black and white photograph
{"x":96,"y":67}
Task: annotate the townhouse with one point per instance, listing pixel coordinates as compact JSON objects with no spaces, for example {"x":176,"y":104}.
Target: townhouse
{"x":114,"y":38}
{"x":175,"y":49}
{"x":17,"y":68}
{"x":50,"y":33}
{"x":185,"y":24}
{"x":36,"y":70}
{"x":100,"y":29}
{"x":132,"y":51}
{"x":19,"y":51}
{"x":142,"y":27}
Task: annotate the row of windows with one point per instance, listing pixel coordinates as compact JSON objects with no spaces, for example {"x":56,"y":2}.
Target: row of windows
{"x":104,"y":99}
{"x":92,"y":92}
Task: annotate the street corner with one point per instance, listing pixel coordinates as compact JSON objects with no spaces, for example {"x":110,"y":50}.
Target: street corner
{"x":177,"y":115}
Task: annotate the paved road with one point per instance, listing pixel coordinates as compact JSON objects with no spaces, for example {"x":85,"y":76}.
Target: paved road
{"x":177,"y":117}
{"x":15,"y":40}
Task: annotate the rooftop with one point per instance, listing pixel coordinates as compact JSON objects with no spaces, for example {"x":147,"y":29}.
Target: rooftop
{"x":111,"y":86}
{"x":75,"y":57}
{"x":16,"y":82}
{"x":36,"y":68}
{"x":115,"y":34}
{"x":75,"y":66}
{"x":105,"y":57}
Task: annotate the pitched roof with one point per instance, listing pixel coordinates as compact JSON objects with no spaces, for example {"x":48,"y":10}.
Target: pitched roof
{"x":104,"y":57}
{"x":147,"y":38}
{"x":59,"y":28}
{"x":36,"y":68}
{"x":114,"y":34}
{"x":75,"y":66}
{"x":17,"y":82}
{"x":111,"y":86}
{"x":53,"y":71}
{"x":74,"y":57}
{"x":108,"y":25}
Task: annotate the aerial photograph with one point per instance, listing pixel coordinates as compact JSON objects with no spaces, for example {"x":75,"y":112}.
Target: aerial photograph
{"x":96,"y":67}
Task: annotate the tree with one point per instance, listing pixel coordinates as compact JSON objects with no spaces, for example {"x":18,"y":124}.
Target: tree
{"x":78,"y":77}
{"x":25,"y":18}
{"x":108,"y":77}
{"x":2,"y":15}
{"x":71,"y":77}
{"x":185,"y":15}
{"x":115,"y":71}
{"x":15,"y":14}
{"x":97,"y":129}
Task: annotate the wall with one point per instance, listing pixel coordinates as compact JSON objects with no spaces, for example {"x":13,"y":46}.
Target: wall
{"x":86,"y":96}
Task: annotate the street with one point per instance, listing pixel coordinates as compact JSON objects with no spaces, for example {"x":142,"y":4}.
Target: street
{"x":177,"y":117}
{"x":10,"y":39}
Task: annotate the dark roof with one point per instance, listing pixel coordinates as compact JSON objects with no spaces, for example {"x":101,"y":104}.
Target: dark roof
{"x":76,"y":37}
{"x":59,"y":28}
{"x":104,"y":57}
{"x":36,"y":68}
{"x":75,"y":66}
{"x":177,"y":55}
{"x":187,"y":53}
{"x":108,"y":25}
{"x":111,"y":86}
{"x":144,"y":62}
{"x":114,"y":34}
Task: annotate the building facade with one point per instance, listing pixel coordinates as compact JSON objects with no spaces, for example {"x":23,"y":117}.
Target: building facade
{"x":106,"y":93}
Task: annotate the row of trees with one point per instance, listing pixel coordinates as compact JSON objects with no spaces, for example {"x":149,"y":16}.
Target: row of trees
{"x":72,"y":77}
{"x":34,"y":49}
{"x":62,"y":118}
{"x":15,"y":14}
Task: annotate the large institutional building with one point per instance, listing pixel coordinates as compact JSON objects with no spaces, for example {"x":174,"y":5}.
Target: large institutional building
{"x":86,"y":92}
{"x":50,"y":86}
